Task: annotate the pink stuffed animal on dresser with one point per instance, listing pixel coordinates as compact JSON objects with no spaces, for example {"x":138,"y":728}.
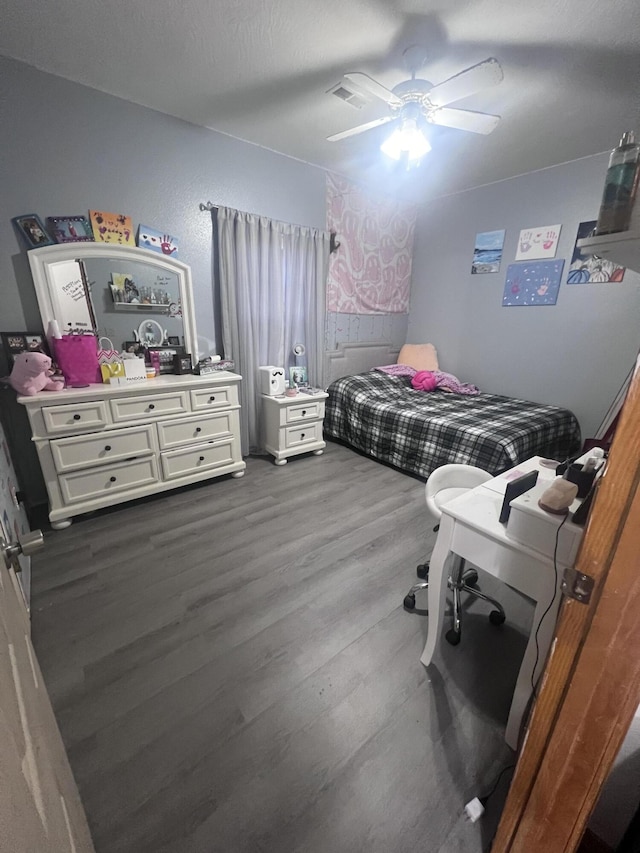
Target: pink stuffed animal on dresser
{"x":32,"y":373}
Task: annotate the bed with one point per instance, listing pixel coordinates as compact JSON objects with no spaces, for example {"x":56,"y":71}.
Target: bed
{"x":417,"y":431}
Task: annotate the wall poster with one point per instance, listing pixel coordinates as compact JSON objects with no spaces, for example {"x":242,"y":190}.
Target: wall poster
{"x":487,"y":252}
{"x":538,"y":242}
{"x":586,"y":269}
{"x":533,"y":283}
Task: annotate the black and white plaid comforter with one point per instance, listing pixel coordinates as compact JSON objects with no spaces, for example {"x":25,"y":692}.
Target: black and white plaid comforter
{"x":417,"y":431}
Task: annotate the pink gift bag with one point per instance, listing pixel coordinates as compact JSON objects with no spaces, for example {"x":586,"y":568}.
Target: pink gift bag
{"x":77,"y":358}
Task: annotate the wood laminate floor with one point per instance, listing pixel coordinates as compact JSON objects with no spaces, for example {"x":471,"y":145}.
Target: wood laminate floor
{"x":232,"y":669}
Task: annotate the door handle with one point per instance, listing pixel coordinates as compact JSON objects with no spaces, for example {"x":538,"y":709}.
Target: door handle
{"x":27,"y":544}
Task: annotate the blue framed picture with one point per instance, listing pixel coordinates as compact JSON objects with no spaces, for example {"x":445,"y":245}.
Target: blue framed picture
{"x":70,"y":229}
{"x":532,"y":283}
{"x":32,"y":230}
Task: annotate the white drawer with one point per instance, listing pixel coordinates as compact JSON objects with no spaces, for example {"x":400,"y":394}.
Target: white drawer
{"x":303,"y":412}
{"x":100,"y":482}
{"x":213,"y":398}
{"x":303,"y":434}
{"x":79,"y":416}
{"x":194,"y":430}
{"x":151,"y":406}
{"x":84,"y":451}
{"x":181,"y":463}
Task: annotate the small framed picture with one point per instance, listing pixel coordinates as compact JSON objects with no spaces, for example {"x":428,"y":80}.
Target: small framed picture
{"x":173,"y":341}
{"x":134,"y":346}
{"x":14,"y":343}
{"x":164,"y":357}
{"x":32,"y":230}
{"x":70,"y":229}
{"x":297,"y":375}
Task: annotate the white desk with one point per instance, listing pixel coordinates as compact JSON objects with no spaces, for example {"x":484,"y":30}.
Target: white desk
{"x":469,"y":527}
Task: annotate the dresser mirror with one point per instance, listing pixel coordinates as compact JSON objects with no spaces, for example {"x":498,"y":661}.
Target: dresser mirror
{"x":124,"y":293}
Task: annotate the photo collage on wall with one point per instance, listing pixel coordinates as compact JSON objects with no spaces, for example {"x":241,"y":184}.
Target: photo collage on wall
{"x":536,"y":276}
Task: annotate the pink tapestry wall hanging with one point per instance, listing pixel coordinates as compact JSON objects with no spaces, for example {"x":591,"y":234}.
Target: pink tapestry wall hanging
{"x":371,"y":271}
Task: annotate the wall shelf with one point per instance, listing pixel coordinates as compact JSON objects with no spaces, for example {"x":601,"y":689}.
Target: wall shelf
{"x":623,"y":248}
{"x":146,"y":307}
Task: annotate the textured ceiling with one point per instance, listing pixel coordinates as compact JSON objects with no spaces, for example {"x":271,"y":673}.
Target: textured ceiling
{"x":260,"y":69}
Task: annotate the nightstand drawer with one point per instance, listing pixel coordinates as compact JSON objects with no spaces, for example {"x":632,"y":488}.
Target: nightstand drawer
{"x":185,"y":462}
{"x":69,"y":418}
{"x":194,"y":430}
{"x":309,"y":411}
{"x":84,"y":451}
{"x":152,"y":406}
{"x":303,"y":434}
{"x":98,"y":483}
{"x":214,"y":398}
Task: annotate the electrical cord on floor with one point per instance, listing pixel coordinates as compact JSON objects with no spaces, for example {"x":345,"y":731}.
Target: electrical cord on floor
{"x":494,"y":787}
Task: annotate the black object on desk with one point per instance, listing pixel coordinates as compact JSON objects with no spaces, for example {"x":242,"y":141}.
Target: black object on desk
{"x":515,"y":488}
{"x":575,"y":473}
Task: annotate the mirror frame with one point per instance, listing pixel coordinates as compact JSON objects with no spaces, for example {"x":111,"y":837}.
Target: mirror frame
{"x":40,"y":260}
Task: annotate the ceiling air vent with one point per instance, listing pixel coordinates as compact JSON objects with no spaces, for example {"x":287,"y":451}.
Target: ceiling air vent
{"x":348,"y":96}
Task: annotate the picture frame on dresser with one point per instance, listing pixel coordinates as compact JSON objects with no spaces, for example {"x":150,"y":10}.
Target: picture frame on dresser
{"x":13,"y":343}
{"x":70,"y":229}
{"x":32,"y":230}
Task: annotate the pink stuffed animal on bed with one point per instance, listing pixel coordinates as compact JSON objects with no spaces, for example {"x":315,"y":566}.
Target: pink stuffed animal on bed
{"x":32,"y":373}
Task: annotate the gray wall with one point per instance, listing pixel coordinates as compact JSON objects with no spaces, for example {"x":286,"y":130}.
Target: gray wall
{"x":576,"y":353}
{"x":66,"y":148}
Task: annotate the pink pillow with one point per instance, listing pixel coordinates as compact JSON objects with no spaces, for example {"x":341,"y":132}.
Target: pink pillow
{"x":424,"y":380}
{"x":419,"y":356}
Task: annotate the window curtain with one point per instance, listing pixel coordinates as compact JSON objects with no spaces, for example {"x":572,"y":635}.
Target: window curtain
{"x":272,"y":294}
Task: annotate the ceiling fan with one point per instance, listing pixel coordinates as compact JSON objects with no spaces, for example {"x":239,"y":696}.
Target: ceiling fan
{"x":415,"y":102}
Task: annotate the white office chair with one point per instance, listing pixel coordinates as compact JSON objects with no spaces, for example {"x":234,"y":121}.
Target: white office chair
{"x":444,"y":484}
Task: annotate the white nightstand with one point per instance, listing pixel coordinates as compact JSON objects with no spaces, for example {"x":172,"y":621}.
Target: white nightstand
{"x":293,"y":425}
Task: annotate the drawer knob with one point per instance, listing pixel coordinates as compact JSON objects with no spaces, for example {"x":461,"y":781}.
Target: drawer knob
{"x":112,"y":479}
{"x":304,"y":412}
{"x":77,"y":417}
{"x":212,"y":399}
{"x":151,"y":406}
{"x":198,"y":429}
{"x":107,"y":447}
{"x":201,"y":459}
{"x":301,"y":435}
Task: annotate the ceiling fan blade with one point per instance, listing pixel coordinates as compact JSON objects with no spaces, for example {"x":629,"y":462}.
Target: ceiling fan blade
{"x":464,"y":120}
{"x":373,"y":87}
{"x":336,"y":137}
{"x":467,"y":82}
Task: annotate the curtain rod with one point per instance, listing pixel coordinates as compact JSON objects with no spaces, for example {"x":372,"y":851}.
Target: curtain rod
{"x":334,"y":245}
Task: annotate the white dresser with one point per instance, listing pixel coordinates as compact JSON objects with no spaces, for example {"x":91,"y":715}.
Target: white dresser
{"x":106,"y":444}
{"x":293,"y":425}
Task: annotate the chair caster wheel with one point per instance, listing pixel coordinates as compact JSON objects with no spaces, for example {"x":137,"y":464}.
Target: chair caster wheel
{"x":423,"y":571}
{"x":497,"y":618}
{"x":409,"y":601}
{"x":452,"y":637}
{"x":471,"y":577}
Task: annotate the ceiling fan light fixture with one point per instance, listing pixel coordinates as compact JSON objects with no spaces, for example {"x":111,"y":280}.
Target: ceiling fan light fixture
{"x":408,"y":141}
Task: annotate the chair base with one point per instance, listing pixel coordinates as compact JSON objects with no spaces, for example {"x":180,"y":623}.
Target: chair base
{"x":461,"y":580}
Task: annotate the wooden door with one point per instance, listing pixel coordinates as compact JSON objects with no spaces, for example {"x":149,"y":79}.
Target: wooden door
{"x":40,"y":808}
{"x":590,"y":689}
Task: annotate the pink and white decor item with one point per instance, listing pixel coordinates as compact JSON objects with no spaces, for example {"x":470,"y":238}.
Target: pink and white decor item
{"x":371,"y":271}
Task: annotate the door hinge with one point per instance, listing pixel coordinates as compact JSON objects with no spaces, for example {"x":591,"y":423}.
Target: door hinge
{"x":577,"y":586}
